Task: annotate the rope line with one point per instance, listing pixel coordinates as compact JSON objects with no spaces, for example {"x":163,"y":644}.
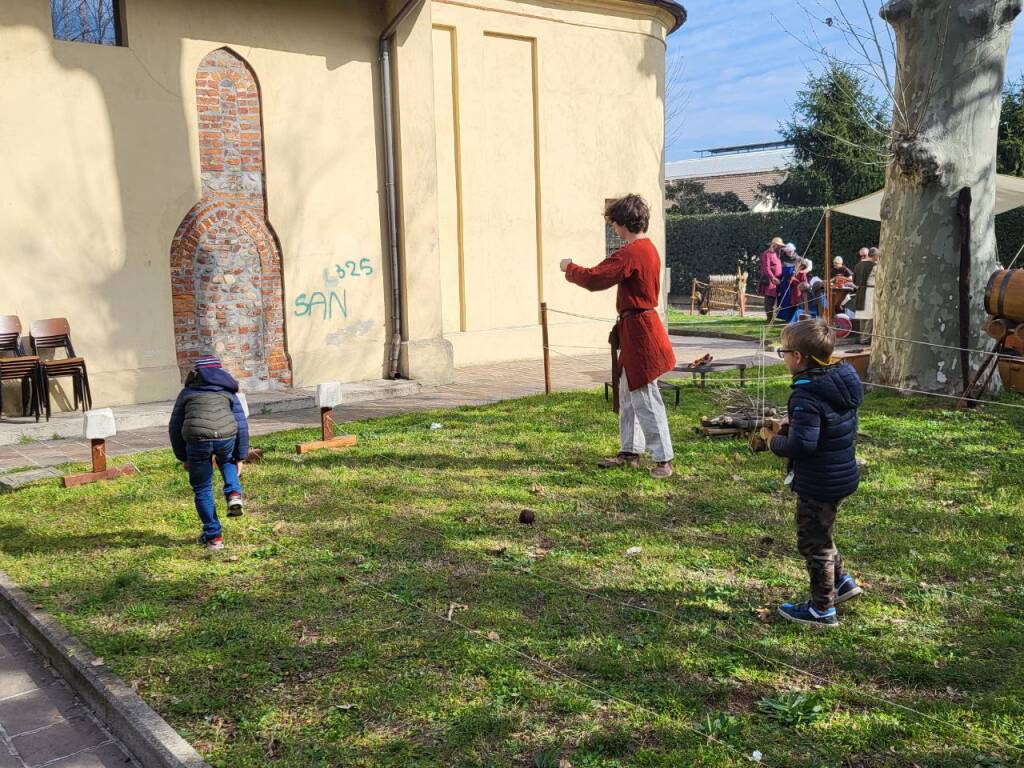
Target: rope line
{"x":575,"y":346}
{"x":959,"y":398}
{"x":1016,"y":257}
{"x":584,"y":317}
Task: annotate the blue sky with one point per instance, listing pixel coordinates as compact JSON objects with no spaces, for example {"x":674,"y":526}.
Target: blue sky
{"x":743,"y":66}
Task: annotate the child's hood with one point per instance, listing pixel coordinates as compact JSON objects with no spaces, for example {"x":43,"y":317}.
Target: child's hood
{"x":214,"y":380}
{"x":838,"y":385}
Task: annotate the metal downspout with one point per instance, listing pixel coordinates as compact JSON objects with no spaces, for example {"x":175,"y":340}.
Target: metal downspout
{"x":390,"y":184}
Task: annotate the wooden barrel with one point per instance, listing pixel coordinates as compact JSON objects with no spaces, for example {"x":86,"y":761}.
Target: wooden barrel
{"x":1004,"y":294}
{"x":997,"y":328}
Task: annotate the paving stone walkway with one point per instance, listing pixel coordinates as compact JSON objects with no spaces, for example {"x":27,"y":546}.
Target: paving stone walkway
{"x":42,"y":722}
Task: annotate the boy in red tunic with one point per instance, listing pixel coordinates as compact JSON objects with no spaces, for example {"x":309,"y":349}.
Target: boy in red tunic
{"x":646,"y":352}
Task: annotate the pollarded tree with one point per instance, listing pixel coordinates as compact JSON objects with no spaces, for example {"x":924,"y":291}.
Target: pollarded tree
{"x":950,"y":69}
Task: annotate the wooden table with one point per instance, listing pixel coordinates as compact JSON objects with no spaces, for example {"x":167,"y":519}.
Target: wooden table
{"x":695,"y":371}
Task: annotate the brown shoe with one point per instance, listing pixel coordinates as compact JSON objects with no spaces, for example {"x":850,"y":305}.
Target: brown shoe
{"x":661,"y":470}
{"x":622,"y":459}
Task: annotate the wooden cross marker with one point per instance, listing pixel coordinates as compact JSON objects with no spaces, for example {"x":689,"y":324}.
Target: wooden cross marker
{"x":328,"y":395}
{"x":99,"y":425}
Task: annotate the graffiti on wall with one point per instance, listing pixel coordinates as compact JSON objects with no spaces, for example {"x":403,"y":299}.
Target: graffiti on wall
{"x":331,"y":302}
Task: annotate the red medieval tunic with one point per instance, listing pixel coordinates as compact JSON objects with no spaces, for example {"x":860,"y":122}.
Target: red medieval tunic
{"x":636,"y":268}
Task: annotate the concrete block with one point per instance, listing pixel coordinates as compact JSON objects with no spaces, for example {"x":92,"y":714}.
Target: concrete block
{"x":244,"y":402}
{"x":328,"y":394}
{"x":99,"y":424}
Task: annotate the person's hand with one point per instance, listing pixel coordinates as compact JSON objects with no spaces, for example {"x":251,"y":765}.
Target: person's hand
{"x":564,"y":264}
{"x":240,"y":465}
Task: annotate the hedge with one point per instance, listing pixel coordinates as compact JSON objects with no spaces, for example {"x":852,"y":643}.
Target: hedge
{"x":697,"y":246}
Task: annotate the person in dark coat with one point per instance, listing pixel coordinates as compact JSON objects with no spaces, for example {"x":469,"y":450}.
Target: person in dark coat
{"x":208,"y":423}
{"x":820,"y":441}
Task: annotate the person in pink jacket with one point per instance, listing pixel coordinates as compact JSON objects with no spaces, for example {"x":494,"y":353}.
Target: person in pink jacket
{"x":771,"y":273}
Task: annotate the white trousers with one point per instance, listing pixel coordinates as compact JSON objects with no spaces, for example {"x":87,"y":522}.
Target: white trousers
{"x":643,"y":423}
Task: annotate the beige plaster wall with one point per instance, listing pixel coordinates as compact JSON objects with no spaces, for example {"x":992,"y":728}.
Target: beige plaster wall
{"x":558,"y":107}
{"x":100,"y":157}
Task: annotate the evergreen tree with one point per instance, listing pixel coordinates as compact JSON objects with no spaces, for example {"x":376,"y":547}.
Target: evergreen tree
{"x":1010,"y":154}
{"x":840,"y":142}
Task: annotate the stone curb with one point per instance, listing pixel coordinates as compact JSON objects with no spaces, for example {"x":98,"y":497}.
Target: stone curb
{"x":149,"y":738}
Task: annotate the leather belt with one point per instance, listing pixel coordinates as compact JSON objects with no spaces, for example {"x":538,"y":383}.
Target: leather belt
{"x":633,"y":312}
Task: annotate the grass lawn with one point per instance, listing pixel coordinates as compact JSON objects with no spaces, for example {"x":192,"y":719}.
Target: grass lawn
{"x":750,"y":325}
{"x":321,"y":635}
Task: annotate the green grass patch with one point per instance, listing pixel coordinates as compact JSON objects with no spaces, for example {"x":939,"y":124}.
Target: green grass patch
{"x":750,"y":326}
{"x":383,"y":606}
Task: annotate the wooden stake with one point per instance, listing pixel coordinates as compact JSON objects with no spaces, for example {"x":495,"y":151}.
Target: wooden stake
{"x":547,"y":354}
{"x":963,"y":208}
{"x":99,"y":468}
{"x":613,"y":340}
{"x":741,"y":291}
{"x":328,"y":440}
{"x":827,"y":310}
{"x":327,"y":423}
{"x":99,"y":455}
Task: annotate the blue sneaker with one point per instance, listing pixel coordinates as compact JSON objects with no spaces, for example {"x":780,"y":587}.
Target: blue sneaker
{"x":847,"y":589}
{"x":806,"y":613}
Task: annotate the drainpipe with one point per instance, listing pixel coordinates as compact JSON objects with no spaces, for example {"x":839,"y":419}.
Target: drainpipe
{"x":388,"y":107}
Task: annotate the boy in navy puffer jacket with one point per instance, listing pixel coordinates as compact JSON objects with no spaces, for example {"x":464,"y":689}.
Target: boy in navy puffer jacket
{"x":208,"y":423}
{"x":820,"y":441}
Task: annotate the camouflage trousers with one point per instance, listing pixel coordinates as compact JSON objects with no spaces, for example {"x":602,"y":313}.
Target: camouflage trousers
{"x":815,"y":522}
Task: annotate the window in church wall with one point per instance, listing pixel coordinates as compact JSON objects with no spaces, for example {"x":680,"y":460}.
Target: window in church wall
{"x":88,"y":21}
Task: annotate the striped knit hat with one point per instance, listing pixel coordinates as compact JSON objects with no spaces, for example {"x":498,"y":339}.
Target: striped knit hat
{"x":207,"y":361}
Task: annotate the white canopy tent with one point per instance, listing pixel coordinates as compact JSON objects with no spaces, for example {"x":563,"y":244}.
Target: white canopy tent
{"x":1009,"y":195}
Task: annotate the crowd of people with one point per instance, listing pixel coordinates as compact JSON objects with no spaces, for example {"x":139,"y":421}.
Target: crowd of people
{"x":793,"y":292}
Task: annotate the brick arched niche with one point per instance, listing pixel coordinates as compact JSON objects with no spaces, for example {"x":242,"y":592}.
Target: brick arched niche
{"x":225,"y":259}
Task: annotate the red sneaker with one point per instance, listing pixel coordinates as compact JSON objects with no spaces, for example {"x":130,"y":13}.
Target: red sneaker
{"x":234,"y":505}
{"x":214,"y":544}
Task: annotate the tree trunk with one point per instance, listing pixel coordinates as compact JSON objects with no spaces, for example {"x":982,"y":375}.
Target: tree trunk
{"x":950,"y":68}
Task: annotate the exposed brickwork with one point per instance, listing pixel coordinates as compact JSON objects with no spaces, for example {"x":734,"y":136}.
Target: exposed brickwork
{"x":225,"y":261}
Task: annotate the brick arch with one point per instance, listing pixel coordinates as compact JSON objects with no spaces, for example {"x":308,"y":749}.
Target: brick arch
{"x":226,"y":269}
